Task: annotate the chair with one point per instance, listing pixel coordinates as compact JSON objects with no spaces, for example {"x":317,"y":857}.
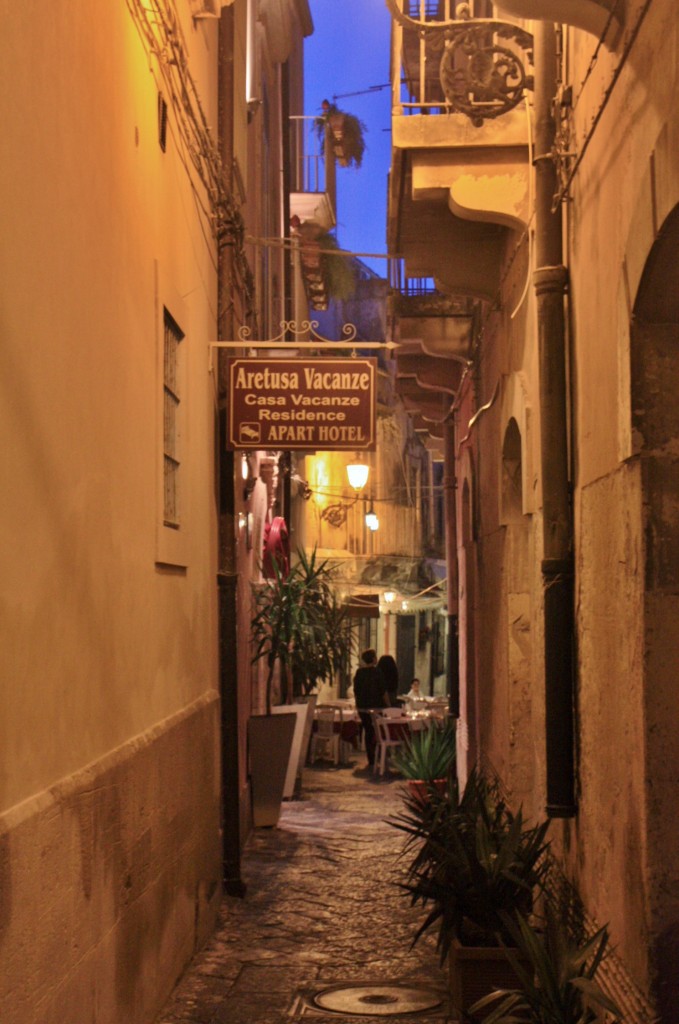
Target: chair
{"x":390,"y":736}
{"x":325,"y":739}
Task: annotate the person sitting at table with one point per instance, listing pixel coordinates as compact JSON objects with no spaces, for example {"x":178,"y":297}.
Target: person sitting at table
{"x":414,"y":691}
{"x":370,"y":692}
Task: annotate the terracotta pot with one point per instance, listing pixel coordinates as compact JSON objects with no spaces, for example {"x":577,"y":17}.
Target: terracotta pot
{"x":419,"y":789}
{"x":475,"y":971}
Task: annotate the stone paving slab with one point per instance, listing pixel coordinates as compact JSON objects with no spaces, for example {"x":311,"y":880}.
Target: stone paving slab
{"x":322,"y":908}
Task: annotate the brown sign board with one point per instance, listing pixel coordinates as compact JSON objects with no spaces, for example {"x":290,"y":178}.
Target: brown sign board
{"x":320,"y":403}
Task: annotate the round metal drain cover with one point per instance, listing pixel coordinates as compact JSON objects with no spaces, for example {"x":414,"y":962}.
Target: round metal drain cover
{"x":376,"y":1000}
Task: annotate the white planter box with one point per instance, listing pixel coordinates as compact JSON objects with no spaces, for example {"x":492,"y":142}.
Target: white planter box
{"x":300,"y":740}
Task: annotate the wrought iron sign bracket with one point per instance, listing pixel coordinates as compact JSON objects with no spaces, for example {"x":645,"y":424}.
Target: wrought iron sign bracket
{"x":306,"y":327}
{"x":480,"y":77}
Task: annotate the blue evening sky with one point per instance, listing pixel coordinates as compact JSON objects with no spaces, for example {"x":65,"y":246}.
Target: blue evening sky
{"x":349,"y":52}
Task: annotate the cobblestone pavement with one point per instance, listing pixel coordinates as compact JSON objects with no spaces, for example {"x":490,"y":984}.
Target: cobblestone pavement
{"x":322,"y":909}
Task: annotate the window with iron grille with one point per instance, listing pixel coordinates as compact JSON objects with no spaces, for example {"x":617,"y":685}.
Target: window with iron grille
{"x":172,"y":338}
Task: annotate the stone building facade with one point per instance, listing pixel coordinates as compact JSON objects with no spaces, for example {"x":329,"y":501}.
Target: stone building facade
{"x":141,"y":143}
{"x":555,"y":221}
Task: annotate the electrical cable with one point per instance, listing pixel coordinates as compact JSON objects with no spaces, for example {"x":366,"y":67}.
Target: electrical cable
{"x":565,"y":191}
{"x":161,"y":35}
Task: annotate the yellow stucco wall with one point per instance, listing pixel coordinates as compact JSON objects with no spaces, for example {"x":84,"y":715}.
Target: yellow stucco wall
{"x":109,"y":660}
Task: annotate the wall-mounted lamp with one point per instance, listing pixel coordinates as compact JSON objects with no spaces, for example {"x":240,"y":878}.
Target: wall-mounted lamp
{"x":357,"y":472}
{"x":389,"y":596}
{"x":371,"y":520}
{"x":249,"y":479}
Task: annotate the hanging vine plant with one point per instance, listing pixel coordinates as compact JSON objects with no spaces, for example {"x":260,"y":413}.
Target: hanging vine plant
{"x":346,"y":134}
{"x":338,"y":273}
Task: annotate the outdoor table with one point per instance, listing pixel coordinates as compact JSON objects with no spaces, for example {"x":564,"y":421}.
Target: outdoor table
{"x":403,"y":726}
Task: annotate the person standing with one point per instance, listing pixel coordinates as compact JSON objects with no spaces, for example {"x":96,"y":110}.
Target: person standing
{"x":389,"y":670}
{"x":369,"y":693}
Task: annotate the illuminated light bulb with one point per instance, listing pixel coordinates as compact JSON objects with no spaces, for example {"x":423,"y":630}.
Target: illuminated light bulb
{"x":371,"y":520}
{"x":358,"y":474}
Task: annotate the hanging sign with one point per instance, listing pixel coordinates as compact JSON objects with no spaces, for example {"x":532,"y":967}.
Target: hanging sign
{"x":320,"y":403}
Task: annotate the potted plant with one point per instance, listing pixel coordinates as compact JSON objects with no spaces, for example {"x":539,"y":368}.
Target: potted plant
{"x":426,"y":761}
{"x":556,"y":972}
{"x":294,"y":631}
{"x":474,"y":862}
{"x":345,"y":132}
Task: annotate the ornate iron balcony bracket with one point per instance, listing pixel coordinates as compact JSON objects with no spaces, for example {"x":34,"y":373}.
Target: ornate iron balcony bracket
{"x":483,"y":62}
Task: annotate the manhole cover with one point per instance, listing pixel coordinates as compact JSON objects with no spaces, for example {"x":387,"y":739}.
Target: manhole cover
{"x":376,"y":1000}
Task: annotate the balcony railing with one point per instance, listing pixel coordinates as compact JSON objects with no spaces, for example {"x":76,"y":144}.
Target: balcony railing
{"x":409,"y":287}
{"x":452,"y":57}
{"x":311,"y":169}
{"x":419,"y":296}
{"x":307,"y":166}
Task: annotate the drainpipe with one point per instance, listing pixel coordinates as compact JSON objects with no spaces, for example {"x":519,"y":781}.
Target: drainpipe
{"x":227,"y":578}
{"x":550,"y":281}
{"x":450,"y":528}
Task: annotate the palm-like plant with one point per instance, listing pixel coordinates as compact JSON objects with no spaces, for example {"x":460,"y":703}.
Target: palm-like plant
{"x":297,"y":623}
{"x":428,"y":754}
{"x":556,"y":974}
{"x":474,"y":862}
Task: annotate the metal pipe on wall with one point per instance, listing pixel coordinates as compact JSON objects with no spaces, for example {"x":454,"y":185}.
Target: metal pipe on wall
{"x":550,"y":279}
{"x":450,"y":528}
{"x":227,"y":579}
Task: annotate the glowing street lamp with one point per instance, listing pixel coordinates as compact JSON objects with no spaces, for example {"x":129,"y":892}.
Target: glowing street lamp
{"x":357,"y":472}
{"x":371,"y":520}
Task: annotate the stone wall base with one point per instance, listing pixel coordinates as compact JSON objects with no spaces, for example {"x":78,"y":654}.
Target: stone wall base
{"x":111,"y":879}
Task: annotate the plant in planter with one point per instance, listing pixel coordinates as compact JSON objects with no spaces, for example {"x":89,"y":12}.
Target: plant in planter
{"x":474,"y":863}
{"x":294,"y":629}
{"x":427,"y":759}
{"x":297,"y":623}
{"x":346,"y":133}
{"x":556,"y":972}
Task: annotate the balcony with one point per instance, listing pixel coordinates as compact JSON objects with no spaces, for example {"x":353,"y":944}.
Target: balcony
{"x":434,"y":333}
{"x":312,"y":187}
{"x":312,"y":202}
{"x":459,"y":182}
{"x":590,"y":15}
{"x":438,"y":321}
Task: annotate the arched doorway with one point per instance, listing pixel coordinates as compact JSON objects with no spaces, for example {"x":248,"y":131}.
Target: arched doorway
{"x":655,"y":427}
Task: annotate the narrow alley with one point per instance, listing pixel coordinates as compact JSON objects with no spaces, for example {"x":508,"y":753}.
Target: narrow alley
{"x":322,"y":912}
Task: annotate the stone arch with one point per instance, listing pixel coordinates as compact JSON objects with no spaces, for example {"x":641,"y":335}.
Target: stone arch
{"x":516,"y":407}
{"x":511,"y":499}
{"x":654,"y":375}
